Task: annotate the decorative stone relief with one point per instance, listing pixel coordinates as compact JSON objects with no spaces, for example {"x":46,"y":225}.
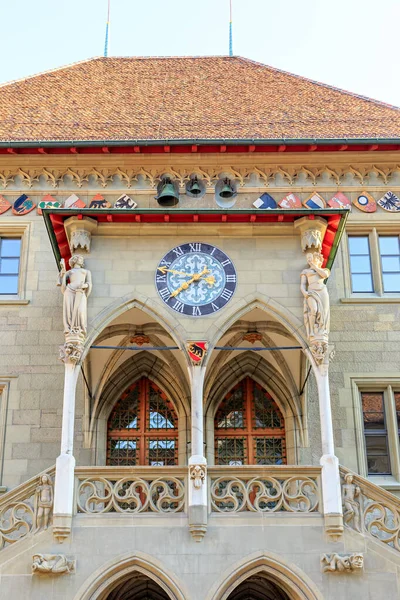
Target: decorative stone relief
{"x":311,"y":238}
{"x":139,"y":339}
{"x":345,"y":563}
{"x":252,"y":337}
{"x":351,"y":506}
{"x":316,"y":306}
{"x":76,"y":286}
{"x":52,"y":563}
{"x":44,"y":498}
{"x":197,"y":474}
{"x":80,"y":238}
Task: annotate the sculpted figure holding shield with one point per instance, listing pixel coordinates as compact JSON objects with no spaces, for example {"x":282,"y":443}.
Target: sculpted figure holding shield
{"x":76,"y":285}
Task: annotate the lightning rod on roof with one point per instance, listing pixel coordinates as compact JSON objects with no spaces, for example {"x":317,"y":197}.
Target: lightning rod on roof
{"x":230,"y":29}
{"x":107,"y":26}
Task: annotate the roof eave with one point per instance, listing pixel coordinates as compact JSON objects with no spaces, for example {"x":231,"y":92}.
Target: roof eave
{"x":198,"y":141}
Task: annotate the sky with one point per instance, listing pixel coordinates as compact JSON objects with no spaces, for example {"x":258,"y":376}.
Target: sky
{"x":351,"y":44}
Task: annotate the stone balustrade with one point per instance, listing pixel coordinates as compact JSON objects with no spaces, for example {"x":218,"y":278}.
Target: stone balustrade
{"x":131,"y":490}
{"x":265,"y":489}
{"x":22,"y":510}
{"x":371,"y":509}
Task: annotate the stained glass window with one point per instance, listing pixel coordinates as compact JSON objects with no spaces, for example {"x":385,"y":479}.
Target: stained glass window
{"x":143,"y":428}
{"x":249,"y":428}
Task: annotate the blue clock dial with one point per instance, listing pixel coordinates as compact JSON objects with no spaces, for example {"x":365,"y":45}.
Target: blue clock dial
{"x":196,"y":279}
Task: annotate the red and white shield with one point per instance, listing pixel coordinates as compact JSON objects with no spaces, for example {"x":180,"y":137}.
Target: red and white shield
{"x":196,"y":351}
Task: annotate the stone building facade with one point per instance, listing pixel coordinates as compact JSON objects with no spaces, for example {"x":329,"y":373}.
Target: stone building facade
{"x":224,"y":420}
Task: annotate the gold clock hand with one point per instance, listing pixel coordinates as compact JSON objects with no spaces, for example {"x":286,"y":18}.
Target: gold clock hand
{"x":210,"y":280}
{"x":164,"y":270}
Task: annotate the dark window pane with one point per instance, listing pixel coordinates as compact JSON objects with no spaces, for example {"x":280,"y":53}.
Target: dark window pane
{"x":230,"y":451}
{"x":266,"y":414}
{"x":10,"y":247}
{"x":362,"y":283}
{"x":397,"y":402}
{"x":360,"y":264}
{"x":122,"y":452}
{"x":9,"y":265}
{"x":389,"y":245}
{"x":8,"y":284}
{"x":161,"y":416}
{"x":230,"y":415}
{"x":161,"y":452}
{"x":391,"y":282}
{"x":377,"y":454}
{"x":269,"y":451}
{"x":359,"y":245}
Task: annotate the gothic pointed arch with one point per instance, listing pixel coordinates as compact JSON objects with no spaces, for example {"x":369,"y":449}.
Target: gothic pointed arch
{"x":115,"y":574}
{"x":287,"y":579}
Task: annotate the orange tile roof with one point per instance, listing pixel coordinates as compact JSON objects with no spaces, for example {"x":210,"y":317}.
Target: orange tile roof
{"x":184,"y":98}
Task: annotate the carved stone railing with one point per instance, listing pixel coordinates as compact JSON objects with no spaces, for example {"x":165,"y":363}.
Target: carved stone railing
{"x":130,"y":490}
{"x":269,"y":489}
{"x":18,"y":510}
{"x":373,"y":510}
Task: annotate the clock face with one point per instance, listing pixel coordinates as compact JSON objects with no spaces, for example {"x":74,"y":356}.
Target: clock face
{"x":196,"y":279}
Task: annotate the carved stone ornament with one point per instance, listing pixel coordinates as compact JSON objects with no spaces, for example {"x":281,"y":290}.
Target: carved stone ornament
{"x":44,"y":498}
{"x":252,"y":337}
{"x":72,"y":350}
{"x":139,"y":339}
{"x":197,"y":474}
{"x":342,"y":563}
{"x":312,"y":232}
{"x":196,"y":351}
{"x":311,"y":238}
{"x":316,"y":306}
{"x":80,"y":238}
{"x":351,"y":503}
{"x":56,"y":564}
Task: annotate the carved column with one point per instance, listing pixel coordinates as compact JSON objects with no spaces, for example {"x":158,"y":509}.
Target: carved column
{"x":76,"y":286}
{"x":317,"y":325}
{"x":197,"y":462}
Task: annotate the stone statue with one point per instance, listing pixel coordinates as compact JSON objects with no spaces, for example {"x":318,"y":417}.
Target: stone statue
{"x":351,"y":506}
{"x":52,"y":563}
{"x":43,"y":502}
{"x":345,"y":563}
{"x":316,"y":297}
{"x":76,"y":286}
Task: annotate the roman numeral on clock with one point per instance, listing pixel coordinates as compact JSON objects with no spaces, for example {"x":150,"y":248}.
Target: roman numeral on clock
{"x":226,"y":294}
{"x":164,"y":293}
{"x":178,"y":251}
{"x":178,"y":306}
{"x":195,"y":247}
{"x":196,"y":311}
{"x":230,"y":278}
{"x":161,"y":279}
{"x":226,"y":262}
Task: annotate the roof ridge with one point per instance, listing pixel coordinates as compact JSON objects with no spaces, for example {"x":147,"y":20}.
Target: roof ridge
{"x":319,"y":83}
{"x":68,"y":66}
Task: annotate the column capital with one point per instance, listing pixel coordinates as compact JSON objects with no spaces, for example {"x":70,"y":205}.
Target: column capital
{"x":312,"y":232}
{"x":79,"y":233}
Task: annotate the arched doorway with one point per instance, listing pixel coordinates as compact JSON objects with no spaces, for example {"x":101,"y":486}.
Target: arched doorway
{"x":249,"y":427}
{"x":257,"y":587}
{"x":142,"y":428}
{"x":137,"y":587}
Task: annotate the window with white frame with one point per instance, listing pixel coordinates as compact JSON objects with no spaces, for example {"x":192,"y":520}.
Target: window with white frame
{"x":374,"y":260}
{"x":381,"y":430}
{"x":10,"y":257}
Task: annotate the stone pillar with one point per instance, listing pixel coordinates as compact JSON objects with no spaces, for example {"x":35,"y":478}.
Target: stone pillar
{"x":65,"y":463}
{"x":317,"y":325}
{"x":76,"y":286}
{"x":197,"y":462}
